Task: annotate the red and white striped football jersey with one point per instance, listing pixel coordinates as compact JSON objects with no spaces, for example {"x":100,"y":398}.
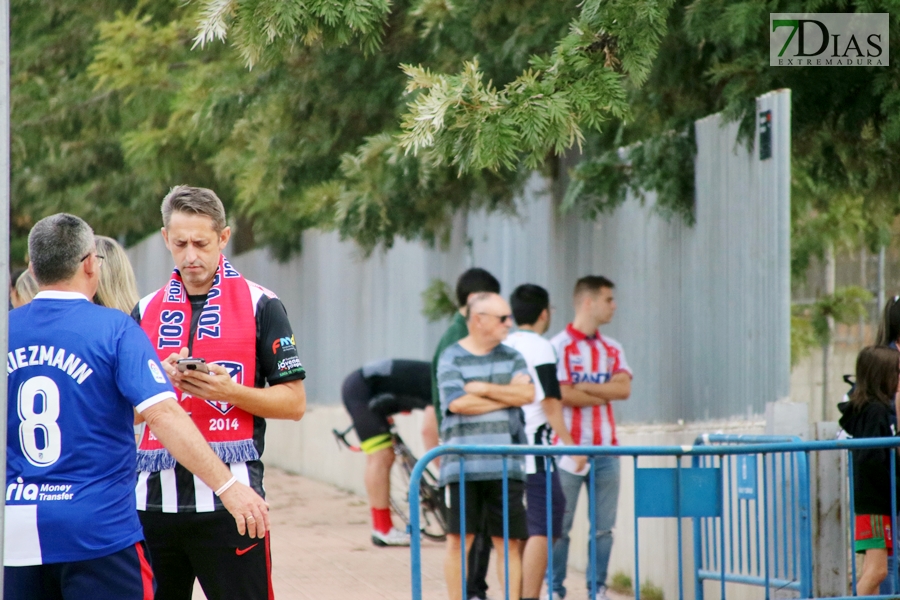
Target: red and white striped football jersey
{"x":593,"y":359}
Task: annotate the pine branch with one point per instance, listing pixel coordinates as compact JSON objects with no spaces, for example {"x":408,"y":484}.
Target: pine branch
{"x":264,"y":28}
{"x":473,"y":125}
{"x":212,"y":25}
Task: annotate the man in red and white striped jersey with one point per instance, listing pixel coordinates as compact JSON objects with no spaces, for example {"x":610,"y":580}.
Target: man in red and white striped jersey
{"x":592,"y":373}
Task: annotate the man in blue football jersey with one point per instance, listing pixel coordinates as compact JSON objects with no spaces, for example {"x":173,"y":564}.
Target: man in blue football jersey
{"x":77,"y":373}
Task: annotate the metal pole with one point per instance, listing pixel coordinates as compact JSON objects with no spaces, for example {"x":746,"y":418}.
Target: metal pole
{"x":863,"y":283}
{"x":881,"y":290}
{"x":4,"y":249}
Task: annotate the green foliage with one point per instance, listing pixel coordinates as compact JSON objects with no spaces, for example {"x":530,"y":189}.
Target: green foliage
{"x":621,"y":583}
{"x":715,"y":57}
{"x":809,"y":322}
{"x":66,"y":154}
{"x":309,"y":137}
{"x":803,"y":336}
{"x":266,"y":28}
{"x":663,"y":164}
{"x":820,"y":221}
{"x":115,"y":101}
{"x":845,"y":306}
{"x":437,"y":301}
{"x":472,"y":124}
{"x":650,"y":591}
{"x":844,"y":129}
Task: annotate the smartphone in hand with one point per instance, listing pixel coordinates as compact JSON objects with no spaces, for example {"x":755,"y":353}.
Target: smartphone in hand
{"x":192,"y":364}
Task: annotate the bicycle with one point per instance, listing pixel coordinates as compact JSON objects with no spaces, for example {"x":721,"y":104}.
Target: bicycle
{"x":433,"y":512}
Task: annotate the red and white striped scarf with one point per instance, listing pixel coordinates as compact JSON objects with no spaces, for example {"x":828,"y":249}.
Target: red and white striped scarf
{"x":226,"y":335}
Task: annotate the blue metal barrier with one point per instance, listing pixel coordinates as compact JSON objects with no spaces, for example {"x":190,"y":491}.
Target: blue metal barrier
{"x":763,"y":557}
{"x":761,"y":539}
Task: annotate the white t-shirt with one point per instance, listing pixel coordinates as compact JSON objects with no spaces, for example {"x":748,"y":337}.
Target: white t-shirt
{"x":541,"y":358}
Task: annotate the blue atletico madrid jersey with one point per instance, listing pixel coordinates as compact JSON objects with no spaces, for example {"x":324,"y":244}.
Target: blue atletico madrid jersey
{"x":76,"y":372}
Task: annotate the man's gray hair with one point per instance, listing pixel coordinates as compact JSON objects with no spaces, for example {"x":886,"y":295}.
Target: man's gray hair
{"x":56,"y":245}
{"x":476,"y":300}
{"x":194,"y":201}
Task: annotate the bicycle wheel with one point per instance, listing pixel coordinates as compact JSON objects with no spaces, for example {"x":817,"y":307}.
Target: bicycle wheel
{"x":400,"y":473}
{"x":434,"y":511}
{"x":432,"y":519}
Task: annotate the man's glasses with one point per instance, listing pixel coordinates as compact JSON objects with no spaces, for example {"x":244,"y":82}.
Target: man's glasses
{"x":503,"y":318}
{"x":100,"y":257}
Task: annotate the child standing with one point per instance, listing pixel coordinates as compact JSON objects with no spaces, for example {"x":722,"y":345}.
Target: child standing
{"x":868,"y":414}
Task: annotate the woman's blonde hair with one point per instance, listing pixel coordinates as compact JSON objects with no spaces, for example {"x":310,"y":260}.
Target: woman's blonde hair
{"x":118,"y":287}
{"x":26,"y":289}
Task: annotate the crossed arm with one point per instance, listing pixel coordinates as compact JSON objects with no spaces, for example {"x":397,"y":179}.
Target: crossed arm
{"x":597,"y":394}
{"x":481,"y":397}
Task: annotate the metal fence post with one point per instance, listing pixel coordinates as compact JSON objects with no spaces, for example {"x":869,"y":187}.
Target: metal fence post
{"x":830,"y":537}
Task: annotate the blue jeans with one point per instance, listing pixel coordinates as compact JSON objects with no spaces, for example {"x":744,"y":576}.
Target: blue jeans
{"x":606,"y":493}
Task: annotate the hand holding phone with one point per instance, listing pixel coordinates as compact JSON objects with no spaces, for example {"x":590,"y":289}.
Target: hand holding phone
{"x":192,"y":364}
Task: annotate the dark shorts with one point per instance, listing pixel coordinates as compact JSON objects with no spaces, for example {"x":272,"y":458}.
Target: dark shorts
{"x":536,"y":503}
{"x":207,"y":546}
{"x":372,"y":430}
{"x":122,"y":575}
{"x":484,"y":500}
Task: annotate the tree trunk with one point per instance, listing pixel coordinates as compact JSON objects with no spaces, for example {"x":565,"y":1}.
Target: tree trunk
{"x":882,"y":293}
{"x":827,"y":350}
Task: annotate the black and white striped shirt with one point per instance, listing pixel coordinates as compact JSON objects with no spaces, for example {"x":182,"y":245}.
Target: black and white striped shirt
{"x":178,"y":490}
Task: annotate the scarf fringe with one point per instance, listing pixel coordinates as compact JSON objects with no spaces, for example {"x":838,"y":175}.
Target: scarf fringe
{"x":153,"y":461}
{"x":236,"y":451}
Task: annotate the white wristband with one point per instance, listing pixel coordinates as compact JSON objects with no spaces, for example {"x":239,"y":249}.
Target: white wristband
{"x":226,"y":485}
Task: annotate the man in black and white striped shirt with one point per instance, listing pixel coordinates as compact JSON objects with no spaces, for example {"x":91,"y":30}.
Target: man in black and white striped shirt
{"x":183,"y":521}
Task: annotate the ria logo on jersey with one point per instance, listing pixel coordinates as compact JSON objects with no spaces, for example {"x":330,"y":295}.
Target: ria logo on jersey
{"x":19,"y":490}
{"x":236,"y":371}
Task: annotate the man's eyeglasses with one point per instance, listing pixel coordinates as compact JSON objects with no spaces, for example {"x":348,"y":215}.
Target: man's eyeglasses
{"x":503,"y":318}
{"x":100,"y":257}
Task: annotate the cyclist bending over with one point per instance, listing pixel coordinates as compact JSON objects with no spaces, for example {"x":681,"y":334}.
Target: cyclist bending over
{"x":371,"y":394}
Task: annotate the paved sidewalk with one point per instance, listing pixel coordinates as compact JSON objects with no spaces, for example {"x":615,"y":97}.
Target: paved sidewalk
{"x":321,"y":549}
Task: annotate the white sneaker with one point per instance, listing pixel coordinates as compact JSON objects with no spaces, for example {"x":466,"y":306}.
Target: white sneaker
{"x":601,"y":593}
{"x":394,"y":537}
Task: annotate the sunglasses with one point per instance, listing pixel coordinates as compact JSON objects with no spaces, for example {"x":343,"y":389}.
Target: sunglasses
{"x":503,"y":318}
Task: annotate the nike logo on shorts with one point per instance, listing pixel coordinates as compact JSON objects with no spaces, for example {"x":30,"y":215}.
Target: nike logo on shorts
{"x":243,"y":551}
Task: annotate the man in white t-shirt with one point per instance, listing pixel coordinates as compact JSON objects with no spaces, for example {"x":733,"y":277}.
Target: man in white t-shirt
{"x":592,"y":373}
{"x":543,"y":419}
